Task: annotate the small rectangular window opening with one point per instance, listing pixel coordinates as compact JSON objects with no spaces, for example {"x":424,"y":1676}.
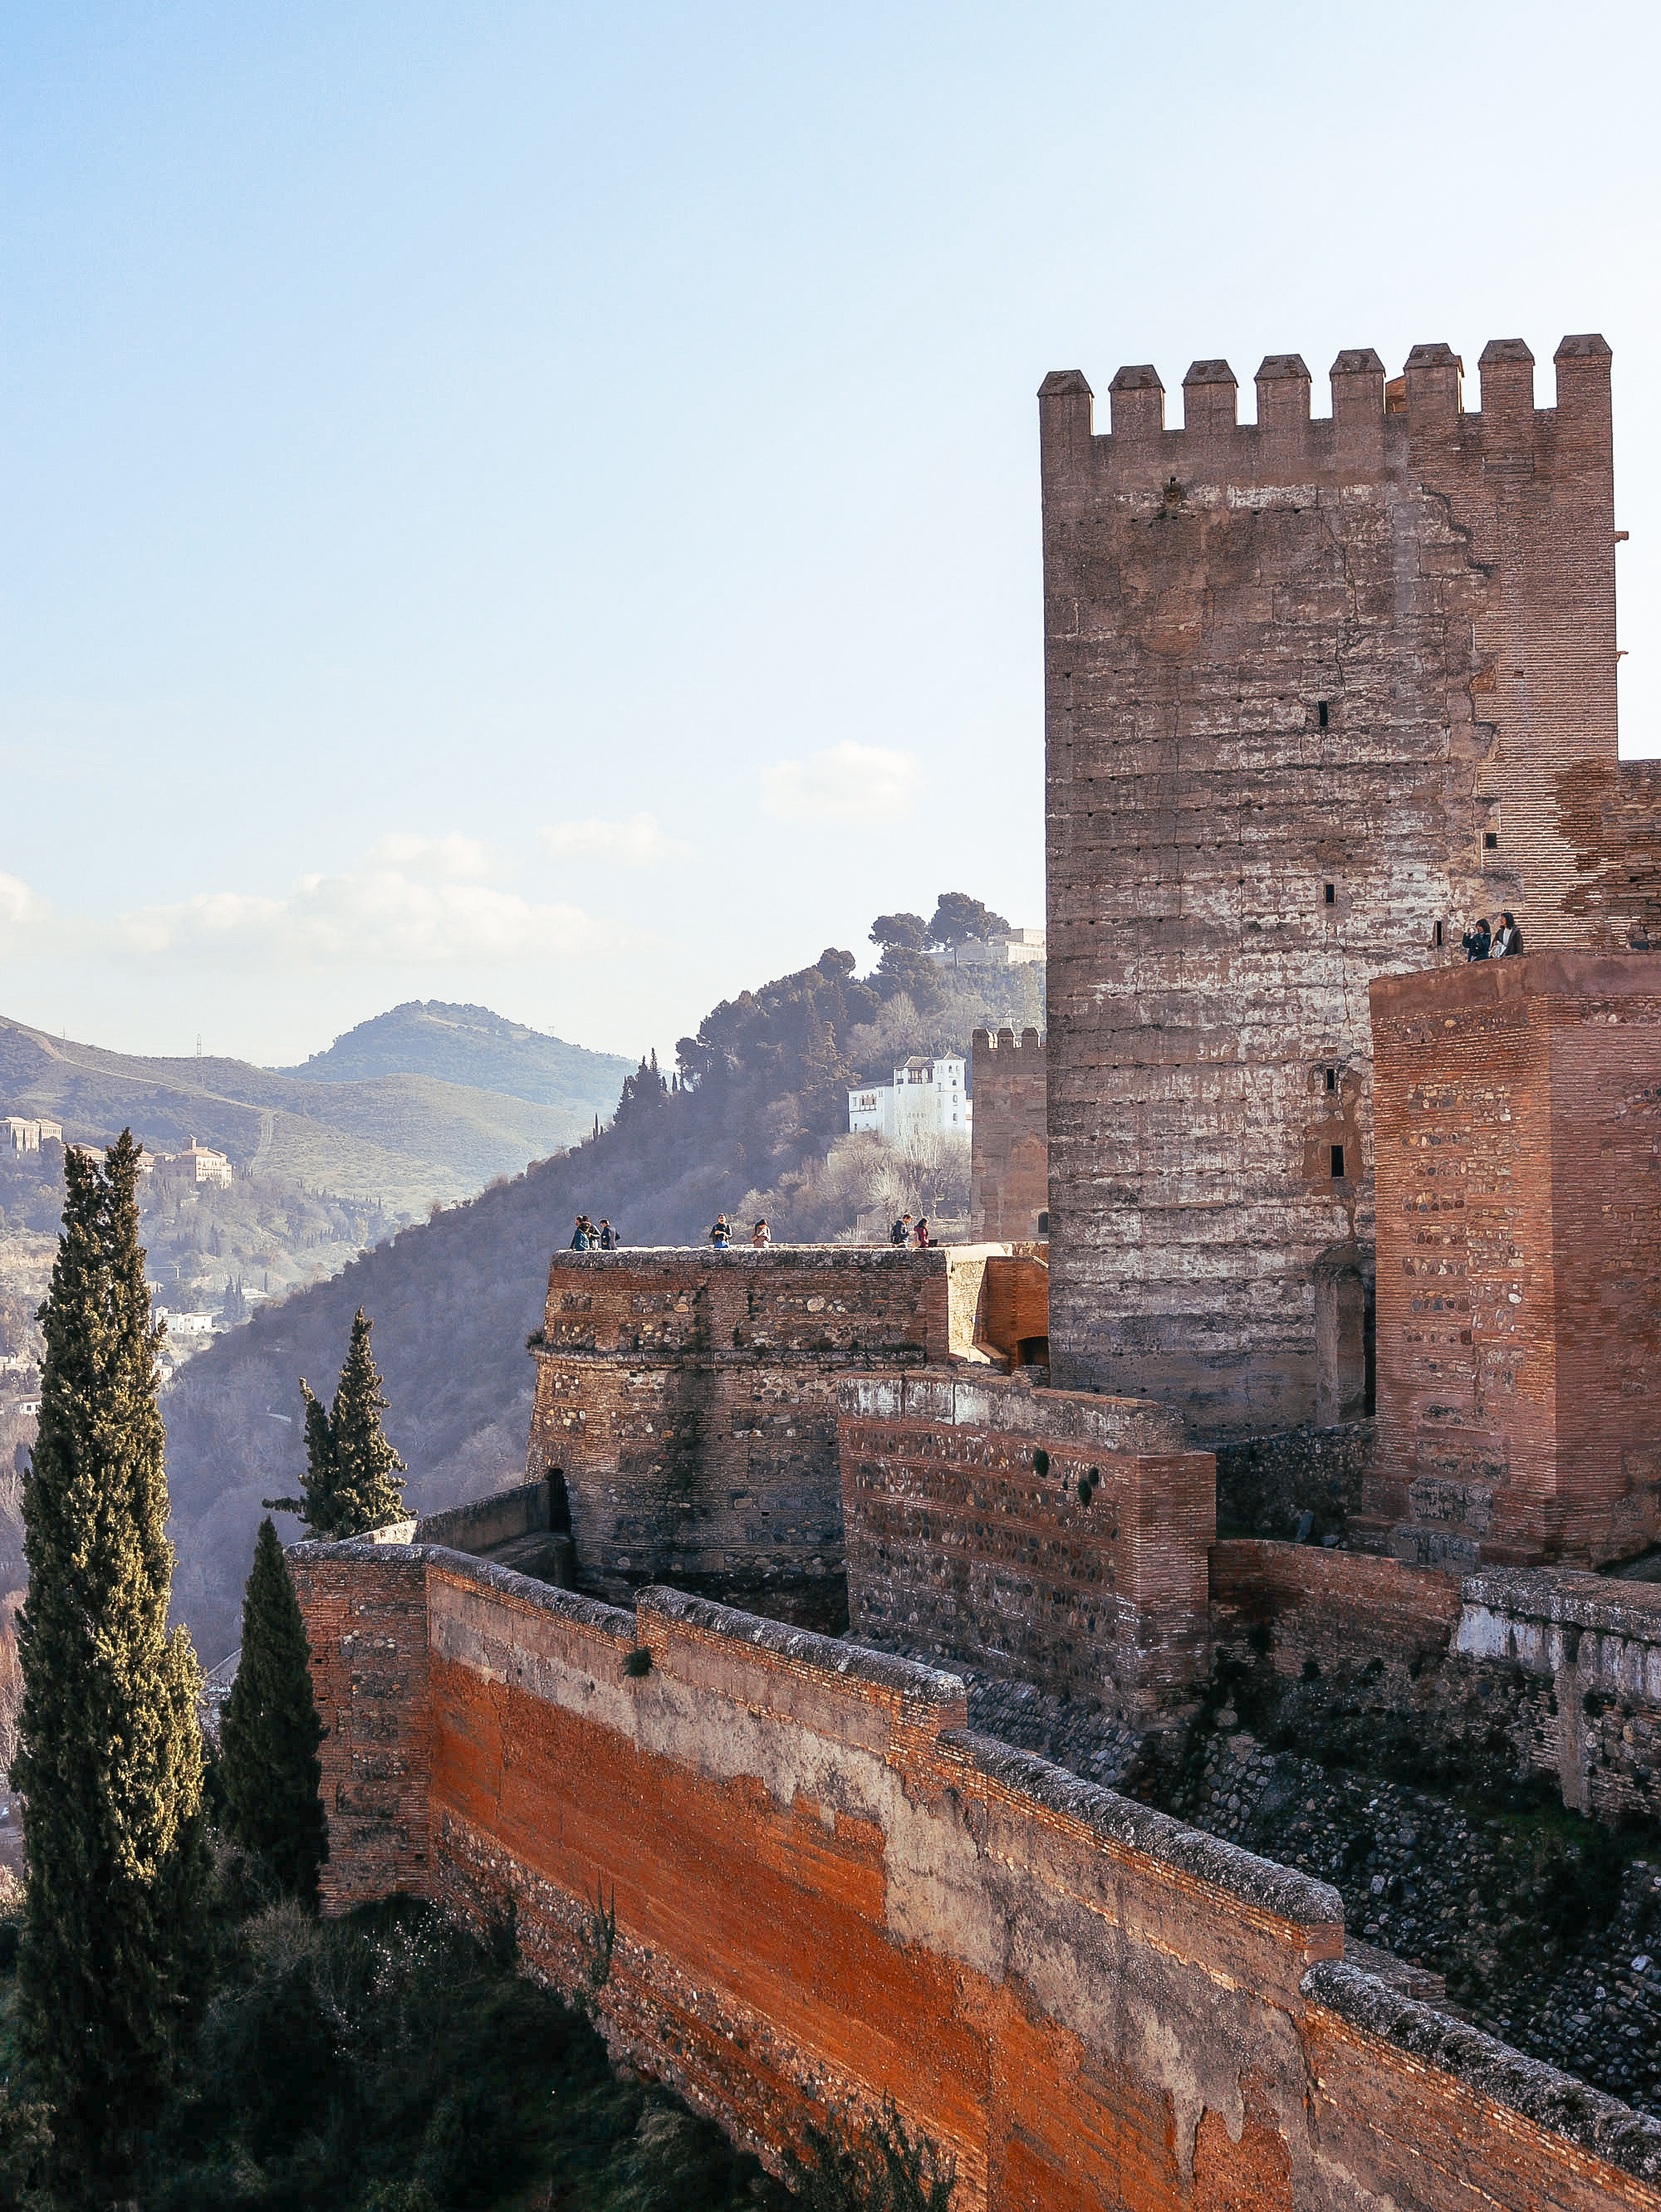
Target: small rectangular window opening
{"x":1332,"y":894}
{"x":1321,"y":710}
{"x":1490,"y":840}
{"x":1332,"y":1078}
{"x":1437,"y":938}
{"x":1337,"y":1162}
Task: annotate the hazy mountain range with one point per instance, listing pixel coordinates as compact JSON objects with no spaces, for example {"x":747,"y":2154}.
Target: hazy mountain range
{"x":425,"y":1102}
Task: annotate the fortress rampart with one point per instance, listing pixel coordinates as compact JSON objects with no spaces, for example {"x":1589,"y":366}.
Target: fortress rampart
{"x":1317,"y":692}
{"x":827,"y":1889}
{"x":689,"y":1401}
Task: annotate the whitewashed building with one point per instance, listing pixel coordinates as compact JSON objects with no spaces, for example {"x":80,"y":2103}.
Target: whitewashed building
{"x":927,"y":1098}
{"x":1011,"y":948}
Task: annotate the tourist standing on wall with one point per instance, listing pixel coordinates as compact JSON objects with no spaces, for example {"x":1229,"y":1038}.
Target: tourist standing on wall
{"x":901,"y":1232}
{"x":580,"y":1234}
{"x":1476,"y":940}
{"x":721,"y":1235}
{"x":922,"y":1233}
{"x":609,"y":1239}
{"x":1508,"y":943}
{"x":761,"y":1235}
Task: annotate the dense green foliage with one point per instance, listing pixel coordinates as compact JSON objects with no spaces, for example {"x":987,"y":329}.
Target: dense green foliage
{"x":350,"y":1484}
{"x":109,"y":1762}
{"x":880,"y":2168}
{"x":388,"y":2062}
{"x":269,"y":1732}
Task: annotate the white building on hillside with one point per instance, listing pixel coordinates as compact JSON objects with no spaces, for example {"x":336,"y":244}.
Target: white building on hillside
{"x":1011,"y":948}
{"x":19,"y":1134}
{"x":927,"y":1098}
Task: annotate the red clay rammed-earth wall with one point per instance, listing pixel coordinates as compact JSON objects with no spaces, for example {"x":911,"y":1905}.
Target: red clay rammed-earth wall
{"x":826,"y":1887}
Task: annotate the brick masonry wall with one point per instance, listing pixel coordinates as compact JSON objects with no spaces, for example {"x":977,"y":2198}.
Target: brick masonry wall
{"x":1281,"y":658}
{"x":1023,"y":1532}
{"x":1519,"y":1259}
{"x":1337,"y":1607}
{"x":689,"y":1399}
{"x":366,"y":1616}
{"x":828,"y":1890}
{"x":1009,"y":1164}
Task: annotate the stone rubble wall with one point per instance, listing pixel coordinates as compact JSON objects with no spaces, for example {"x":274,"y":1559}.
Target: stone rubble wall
{"x":827,"y":1890}
{"x":1266,"y":1484}
{"x":1588,"y":1651}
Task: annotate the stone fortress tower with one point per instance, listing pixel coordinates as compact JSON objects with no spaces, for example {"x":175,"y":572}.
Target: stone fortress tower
{"x":1318,"y":692}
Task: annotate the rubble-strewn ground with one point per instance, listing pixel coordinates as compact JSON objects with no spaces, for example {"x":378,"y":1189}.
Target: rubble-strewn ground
{"x":1547,"y":1926}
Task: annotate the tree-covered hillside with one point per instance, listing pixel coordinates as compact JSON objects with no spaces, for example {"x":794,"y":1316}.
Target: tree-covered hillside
{"x":760,"y":1096}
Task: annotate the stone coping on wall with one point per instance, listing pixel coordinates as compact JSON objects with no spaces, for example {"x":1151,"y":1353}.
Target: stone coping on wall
{"x":1569,"y":1598}
{"x":1535,"y":976}
{"x":1554,"y":2102}
{"x":912,"y":1681}
{"x":1277,"y":1892}
{"x":1012,"y":1407}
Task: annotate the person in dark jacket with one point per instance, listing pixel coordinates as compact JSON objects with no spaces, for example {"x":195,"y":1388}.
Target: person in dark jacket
{"x":609,"y":1239}
{"x":721,"y":1235}
{"x":1508,"y":940}
{"x":901,"y":1232}
{"x":1476,"y":939}
{"x":580,"y":1234}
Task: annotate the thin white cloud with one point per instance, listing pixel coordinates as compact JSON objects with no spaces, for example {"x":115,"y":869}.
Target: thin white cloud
{"x":849,"y":783}
{"x":376,"y":912}
{"x":24,"y":915}
{"x":637,"y":843}
{"x":454,"y":859}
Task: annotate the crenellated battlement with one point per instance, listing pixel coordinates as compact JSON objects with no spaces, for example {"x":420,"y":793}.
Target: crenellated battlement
{"x":1005,"y":1040}
{"x":1363,"y":432}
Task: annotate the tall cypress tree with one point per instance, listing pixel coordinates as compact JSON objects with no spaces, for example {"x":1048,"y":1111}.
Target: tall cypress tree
{"x":109,"y":1761}
{"x":351,"y":1483}
{"x":270,"y":1731}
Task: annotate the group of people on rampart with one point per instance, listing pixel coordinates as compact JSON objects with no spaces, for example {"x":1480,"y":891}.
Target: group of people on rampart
{"x":1482,"y":943}
{"x":587,"y":1238}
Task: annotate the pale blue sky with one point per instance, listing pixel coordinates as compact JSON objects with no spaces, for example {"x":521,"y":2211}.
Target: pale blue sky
{"x":540,"y":505}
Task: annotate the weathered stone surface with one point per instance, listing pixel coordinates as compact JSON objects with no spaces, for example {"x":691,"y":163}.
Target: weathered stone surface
{"x":1519,"y":1109}
{"x":1062,"y":1537}
{"x":1296,"y":674}
{"x":689,"y":1401}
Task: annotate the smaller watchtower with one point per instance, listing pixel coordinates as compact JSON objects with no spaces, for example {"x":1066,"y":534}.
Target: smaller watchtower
{"x":1009,"y":1159}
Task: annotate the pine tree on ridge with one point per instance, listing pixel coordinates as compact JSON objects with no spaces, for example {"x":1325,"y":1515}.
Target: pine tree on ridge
{"x":350,"y":1484}
{"x":109,"y":1762}
{"x":269,"y":1731}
